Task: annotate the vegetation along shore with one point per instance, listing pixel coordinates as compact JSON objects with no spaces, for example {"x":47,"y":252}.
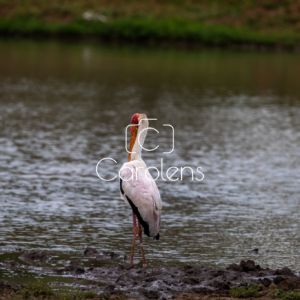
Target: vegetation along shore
{"x":256,"y":23}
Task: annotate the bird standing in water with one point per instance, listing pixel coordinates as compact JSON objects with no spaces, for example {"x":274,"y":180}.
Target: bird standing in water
{"x":137,"y":187}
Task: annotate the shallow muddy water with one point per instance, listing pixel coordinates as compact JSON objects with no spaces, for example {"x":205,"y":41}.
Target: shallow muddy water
{"x":65,"y":106}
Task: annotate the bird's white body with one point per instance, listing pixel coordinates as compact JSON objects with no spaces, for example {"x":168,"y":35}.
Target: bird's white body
{"x":138,"y":188}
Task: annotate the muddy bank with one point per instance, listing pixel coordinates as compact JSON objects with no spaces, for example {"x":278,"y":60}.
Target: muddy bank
{"x":107,"y":273}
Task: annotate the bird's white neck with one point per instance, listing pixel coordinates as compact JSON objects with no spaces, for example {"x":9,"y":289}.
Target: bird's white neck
{"x":141,"y":135}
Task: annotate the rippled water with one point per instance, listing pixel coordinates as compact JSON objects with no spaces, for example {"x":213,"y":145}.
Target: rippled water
{"x":65,"y":106}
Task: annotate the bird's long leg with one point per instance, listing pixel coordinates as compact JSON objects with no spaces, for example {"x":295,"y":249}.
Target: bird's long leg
{"x":141,"y":243}
{"x":133,"y":238}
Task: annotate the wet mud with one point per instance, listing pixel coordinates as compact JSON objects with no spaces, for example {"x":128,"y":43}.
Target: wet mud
{"x":108,"y":273}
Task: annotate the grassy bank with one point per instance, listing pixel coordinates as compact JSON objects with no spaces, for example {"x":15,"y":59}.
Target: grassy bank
{"x":39,"y":291}
{"x":149,"y":29}
{"x":226,"y":22}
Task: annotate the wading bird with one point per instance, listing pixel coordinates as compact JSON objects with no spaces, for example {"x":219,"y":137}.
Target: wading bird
{"x":138,"y":188}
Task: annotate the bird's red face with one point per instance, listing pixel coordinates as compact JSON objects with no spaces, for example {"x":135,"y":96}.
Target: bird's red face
{"x":134,"y":129}
{"x":135,"y":119}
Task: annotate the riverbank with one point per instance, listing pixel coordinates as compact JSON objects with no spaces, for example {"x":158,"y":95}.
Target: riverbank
{"x":108,"y":276}
{"x":149,"y":30}
{"x":205,"y":23}
{"x":39,"y":291}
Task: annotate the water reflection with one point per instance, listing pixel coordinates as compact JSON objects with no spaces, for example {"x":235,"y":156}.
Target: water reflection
{"x":237,"y":115}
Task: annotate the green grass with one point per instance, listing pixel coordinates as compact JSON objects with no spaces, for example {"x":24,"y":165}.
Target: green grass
{"x":241,"y":292}
{"x":287,"y":295}
{"x":40,"y":290}
{"x":208,"y":22}
{"x":149,"y":29}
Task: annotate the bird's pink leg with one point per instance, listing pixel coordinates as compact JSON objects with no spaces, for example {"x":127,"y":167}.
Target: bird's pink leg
{"x":133,"y":238}
{"x":141,"y":243}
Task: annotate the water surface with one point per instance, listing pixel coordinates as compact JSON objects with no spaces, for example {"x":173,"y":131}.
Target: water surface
{"x":65,"y":106}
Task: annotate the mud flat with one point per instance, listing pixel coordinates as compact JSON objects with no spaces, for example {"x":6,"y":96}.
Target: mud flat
{"x":107,"y":274}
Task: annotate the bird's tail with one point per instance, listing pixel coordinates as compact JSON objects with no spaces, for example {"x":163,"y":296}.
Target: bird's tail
{"x":156,"y":237}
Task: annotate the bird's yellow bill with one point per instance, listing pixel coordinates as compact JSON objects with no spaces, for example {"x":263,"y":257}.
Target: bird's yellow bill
{"x":133,"y":138}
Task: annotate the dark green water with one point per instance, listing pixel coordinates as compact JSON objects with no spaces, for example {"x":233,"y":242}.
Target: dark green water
{"x":65,"y":106}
